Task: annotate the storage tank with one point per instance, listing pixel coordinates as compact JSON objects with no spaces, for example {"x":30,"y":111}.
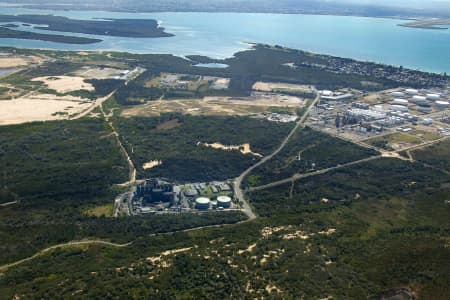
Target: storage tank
{"x":419,"y":100}
{"x":441,"y":104}
{"x":398,"y":94}
{"x":423,"y":108}
{"x":223,"y":201}
{"x":399,"y":107}
{"x":400,"y":102}
{"x":427,"y":121}
{"x":202,"y":203}
{"x":433,"y":97}
{"x":412,"y":91}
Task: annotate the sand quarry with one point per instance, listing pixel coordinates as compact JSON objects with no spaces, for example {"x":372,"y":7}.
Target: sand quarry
{"x":244,"y":148}
{"x":40,"y":108}
{"x":65,"y":84}
{"x":12,"y":61}
{"x":98,"y":73}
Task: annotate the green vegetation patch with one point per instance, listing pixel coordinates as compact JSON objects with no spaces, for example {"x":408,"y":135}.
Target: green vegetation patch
{"x":307,"y":151}
{"x":394,"y":141}
{"x":437,"y":155}
{"x":377,"y":179}
{"x":148,"y":139}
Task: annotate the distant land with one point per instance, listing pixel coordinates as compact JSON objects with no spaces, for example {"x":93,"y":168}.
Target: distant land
{"x":18,"y":34}
{"x":139,"y":28}
{"x":318,"y":7}
{"x":428,"y":24}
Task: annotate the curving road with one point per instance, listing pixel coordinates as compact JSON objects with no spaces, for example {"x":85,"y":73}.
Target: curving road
{"x":73,"y":243}
{"x":296,"y":177}
{"x":238,"y":181}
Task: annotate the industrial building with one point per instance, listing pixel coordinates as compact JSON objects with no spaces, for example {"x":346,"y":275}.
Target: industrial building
{"x":155,"y":190}
{"x":335,"y":96}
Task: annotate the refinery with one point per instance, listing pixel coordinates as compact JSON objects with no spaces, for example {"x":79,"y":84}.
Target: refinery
{"x":360,"y":115}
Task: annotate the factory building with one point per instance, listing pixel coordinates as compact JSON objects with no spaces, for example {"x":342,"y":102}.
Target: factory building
{"x":155,"y":190}
{"x":365,"y":114}
{"x":335,"y":96}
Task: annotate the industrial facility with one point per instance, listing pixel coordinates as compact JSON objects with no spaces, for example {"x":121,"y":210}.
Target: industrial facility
{"x":371,"y":114}
{"x":159,"y":196}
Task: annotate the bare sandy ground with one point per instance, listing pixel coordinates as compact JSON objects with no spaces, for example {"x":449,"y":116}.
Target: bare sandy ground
{"x":216,"y":106}
{"x":24,"y":110}
{"x":98,"y":73}
{"x":65,"y":84}
{"x":270,"y":86}
{"x":258,"y":99}
{"x":18,"y":61}
{"x":244,"y":148}
{"x":151,"y":164}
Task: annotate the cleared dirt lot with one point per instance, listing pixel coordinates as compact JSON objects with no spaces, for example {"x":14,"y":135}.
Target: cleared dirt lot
{"x":276,"y":86}
{"x":193,"y":107}
{"x":12,"y":61}
{"x":40,"y":108}
{"x":217,"y":106}
{"x":65,"y":84}
{"x":98,"y":73}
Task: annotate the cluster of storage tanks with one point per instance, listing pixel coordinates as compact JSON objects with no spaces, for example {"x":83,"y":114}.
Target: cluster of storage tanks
{"x":204,"y":203}
{"x":423,"y":101}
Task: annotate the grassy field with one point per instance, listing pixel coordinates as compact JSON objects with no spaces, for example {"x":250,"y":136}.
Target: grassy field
{"x":394,"y":141}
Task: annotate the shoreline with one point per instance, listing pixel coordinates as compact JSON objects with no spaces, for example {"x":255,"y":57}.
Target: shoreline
{"x":70,"y":7}
{"x":250,"y":46}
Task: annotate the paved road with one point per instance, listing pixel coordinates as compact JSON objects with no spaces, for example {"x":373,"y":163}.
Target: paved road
{"x":238,"y":181}
{"x":296,"y":177}
{"x":98,"y":102}
{"x":73,"y":243}
{"x":105,"y":243}
{"x":8,"y":203}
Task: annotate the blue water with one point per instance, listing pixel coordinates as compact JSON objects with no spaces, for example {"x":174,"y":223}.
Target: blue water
{"x":212,"y":65}
{"x":220,"y":35}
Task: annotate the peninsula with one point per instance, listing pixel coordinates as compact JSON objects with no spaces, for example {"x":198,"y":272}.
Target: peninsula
{"x":138,"y":28}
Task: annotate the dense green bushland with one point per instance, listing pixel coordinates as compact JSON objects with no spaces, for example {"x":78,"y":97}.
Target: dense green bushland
{"x":437,"y":155}
{"x":389,"y":238}
{"x":183,"y":159}
{"x":317,"y":151}
{"x":57,"y":170}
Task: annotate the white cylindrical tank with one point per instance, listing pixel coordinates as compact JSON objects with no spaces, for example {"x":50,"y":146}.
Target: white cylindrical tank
{"x":223,"y":201}
{"x":400,"y":102}
{"x":419,"y":100}
{"x":422,"y":108}
{"x":399,"y":107}
{"x":412,"y":91}
{"x":202,"y":203}
{"x":433,"y":97}
{"x":441,"y":104}
{"x":398,"y":94}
